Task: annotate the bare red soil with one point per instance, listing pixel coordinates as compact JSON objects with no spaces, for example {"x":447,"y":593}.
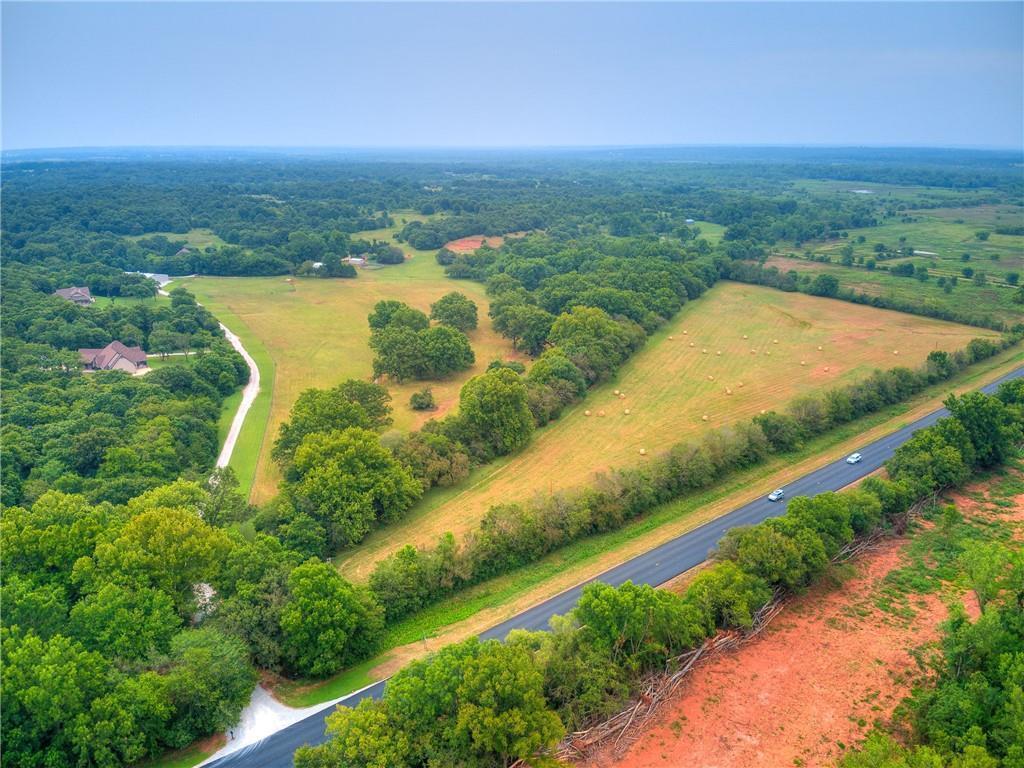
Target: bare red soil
{"x":471,"y":243}
{"x":814,"y":682}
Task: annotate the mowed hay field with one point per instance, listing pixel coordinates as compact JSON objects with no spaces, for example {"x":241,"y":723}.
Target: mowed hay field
{"x":670,"y":386}
{"x":316,"y":333}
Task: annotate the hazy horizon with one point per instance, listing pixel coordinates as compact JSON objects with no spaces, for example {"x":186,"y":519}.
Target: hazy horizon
{"x":365,"y":77}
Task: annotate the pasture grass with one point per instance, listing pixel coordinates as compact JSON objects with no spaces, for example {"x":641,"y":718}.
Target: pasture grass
{"x":313,"y":333}
{"x":996,"y":300}
{"x":115,"y":301}
{"x":484,"y":605}
{"x":253,"y":435}
{"x":668,"y":392}
{"x":194,"y":238}
{"x":945,"y":240}
{"x":940,"y":236}
{"x":711,"y":232}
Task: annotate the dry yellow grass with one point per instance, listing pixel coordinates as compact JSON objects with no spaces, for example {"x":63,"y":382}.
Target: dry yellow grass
{"x":670,"y":387}
{"x":316,"y":333}
{"x":777,"y":472}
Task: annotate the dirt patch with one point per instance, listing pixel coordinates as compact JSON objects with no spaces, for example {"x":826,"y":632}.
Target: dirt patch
{"x":830,"y":667}
{"x":472,"y":243}
{"x":815,"y":682}
{"x":980,"y":502}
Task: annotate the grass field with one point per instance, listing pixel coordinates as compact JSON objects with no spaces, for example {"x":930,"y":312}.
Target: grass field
{"x":944,"y":238}
{"x":195,"y":238}
{"x":908,"y":195}
{"x":939,"y":236}
{"x":313,"y":333}
{"x":669,"y":390}
{"x":487,"y":604}
{"x":711,"y":232}
{"x":119,"y":301}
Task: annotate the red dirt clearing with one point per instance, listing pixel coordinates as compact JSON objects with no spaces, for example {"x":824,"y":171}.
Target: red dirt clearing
{"x":818,"y":678}
{"x":471,"y":243}
{"x":820,"y":675}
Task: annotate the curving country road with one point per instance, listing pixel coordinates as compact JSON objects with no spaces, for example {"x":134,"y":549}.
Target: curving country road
{"x":248,"y":394}
{"x":654,"y":567}
{"x":248,"y":398}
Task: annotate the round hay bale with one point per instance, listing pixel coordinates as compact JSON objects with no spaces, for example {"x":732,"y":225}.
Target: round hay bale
{"x":685,"y":333}
{"x":826,"y":369}
{"x":626,"y":411}
{"x":895,"y":351}
{"x":586,"y":413}
{"x":744,"y":335}
{"x":600,"y":413}
{"x":763,"y":411}
{"x":775,"y":341}
{"x":753,"y":351}
{"x":719,"y":353}
{"x":703,"y":351}
{"x":710,"y":377}
{"x":740,"y":384}
{"x":643,"y":451}
{"x":803,"y":362}
{"x":704,"y":417}
{"x":622,"y":395}
{"x":691,"y":343}
{"x":616,"y":392}
{"x":728,"y":391}
{"x":670,"y":338}
{"x":767,"y":351}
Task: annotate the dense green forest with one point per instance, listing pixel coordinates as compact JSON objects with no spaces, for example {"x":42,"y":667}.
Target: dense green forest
{"x":272,"y":213}
{"x":141,"y":592}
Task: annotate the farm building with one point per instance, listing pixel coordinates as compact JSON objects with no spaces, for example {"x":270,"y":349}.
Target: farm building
{"x":113,"y":357}
{"x":79,"y":295}
{"x":356,"y":261}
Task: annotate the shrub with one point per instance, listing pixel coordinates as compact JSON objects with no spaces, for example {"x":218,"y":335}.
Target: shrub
{"x":422,"y":400}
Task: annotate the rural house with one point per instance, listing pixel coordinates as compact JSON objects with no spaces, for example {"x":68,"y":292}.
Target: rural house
{"x":79,"y":295}
{"x":113,"y":357}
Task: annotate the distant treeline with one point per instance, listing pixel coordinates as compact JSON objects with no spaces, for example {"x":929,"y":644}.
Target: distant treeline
{"x":278,"y":213}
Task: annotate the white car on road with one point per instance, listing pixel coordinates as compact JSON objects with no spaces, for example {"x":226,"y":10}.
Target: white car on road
{"x":777,"y":494}
{"x":854,"y":458}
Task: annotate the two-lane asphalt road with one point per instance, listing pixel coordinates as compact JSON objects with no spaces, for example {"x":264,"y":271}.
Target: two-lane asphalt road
{"x":654,"y":567}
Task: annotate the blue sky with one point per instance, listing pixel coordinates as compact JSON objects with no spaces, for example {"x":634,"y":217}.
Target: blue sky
{"x":415,"y":75}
